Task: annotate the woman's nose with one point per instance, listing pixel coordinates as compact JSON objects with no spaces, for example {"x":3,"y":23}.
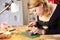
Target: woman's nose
{"x":35,"y":13}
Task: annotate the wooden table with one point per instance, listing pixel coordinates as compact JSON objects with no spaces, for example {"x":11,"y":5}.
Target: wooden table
{"x":20,"y":37}
{"x":24,"y":28}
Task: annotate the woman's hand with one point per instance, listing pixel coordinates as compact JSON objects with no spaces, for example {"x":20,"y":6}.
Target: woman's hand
{"x":31,"y":24}
{"x":36,"y":30}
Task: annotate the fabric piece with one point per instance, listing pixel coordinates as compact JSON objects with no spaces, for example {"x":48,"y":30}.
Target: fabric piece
{"x":29,"y":35}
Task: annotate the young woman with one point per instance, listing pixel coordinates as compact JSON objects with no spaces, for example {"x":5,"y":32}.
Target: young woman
{"x":47,"y":15}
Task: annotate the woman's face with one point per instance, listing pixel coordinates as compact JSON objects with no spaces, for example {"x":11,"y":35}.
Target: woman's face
{"x":37,"y":10}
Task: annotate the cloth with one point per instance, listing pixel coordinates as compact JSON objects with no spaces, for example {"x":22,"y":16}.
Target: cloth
{"x":53,"y":24}
{"x":29,"y":35}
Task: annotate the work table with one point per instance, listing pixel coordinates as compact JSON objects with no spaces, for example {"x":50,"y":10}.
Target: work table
{"x":14,"y":36}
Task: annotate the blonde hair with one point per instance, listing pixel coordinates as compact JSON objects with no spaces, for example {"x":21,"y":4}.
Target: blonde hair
{"x":46,"y":6}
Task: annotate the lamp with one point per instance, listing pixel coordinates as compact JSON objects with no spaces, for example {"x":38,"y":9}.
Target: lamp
{"x":14,"y":8}
{"x":12,"y":5}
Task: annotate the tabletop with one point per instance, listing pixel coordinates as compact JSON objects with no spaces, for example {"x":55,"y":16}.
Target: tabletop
{"x":15,"y":36}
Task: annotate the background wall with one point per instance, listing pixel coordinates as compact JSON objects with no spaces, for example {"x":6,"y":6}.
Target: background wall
{"x":9,"y":17}
{"x":17,"y":18}
{"x":25,"y":12}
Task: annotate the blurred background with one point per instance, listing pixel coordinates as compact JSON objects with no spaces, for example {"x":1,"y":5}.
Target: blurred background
{"x":18,"y":16}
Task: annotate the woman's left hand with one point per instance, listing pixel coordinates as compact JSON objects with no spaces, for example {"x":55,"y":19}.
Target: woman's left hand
{"x":36,"y":30}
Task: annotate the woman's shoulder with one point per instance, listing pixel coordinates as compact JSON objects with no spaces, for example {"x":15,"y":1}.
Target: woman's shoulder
{"x":57,"y":10}
{"x":58,"y":6}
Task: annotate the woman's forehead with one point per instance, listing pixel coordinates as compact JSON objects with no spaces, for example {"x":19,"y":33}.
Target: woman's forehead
{"x":33,"y":8}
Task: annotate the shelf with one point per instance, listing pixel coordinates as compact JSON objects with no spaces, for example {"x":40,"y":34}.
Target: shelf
{"x":31,"y":17}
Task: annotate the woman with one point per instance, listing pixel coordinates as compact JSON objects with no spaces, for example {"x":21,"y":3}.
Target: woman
{"x":47,"y":15}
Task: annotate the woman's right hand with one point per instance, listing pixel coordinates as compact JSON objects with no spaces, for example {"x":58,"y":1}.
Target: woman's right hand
{"x":31,"y":24}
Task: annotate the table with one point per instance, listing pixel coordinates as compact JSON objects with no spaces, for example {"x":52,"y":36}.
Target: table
{"x":24,"y":28}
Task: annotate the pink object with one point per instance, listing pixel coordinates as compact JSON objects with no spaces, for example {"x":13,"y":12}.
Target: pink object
{"x":3,"y":24}
{"x":51,"y":1}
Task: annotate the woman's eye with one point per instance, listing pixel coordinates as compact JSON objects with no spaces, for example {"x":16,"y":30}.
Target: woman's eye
{"x":35,"y":10}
